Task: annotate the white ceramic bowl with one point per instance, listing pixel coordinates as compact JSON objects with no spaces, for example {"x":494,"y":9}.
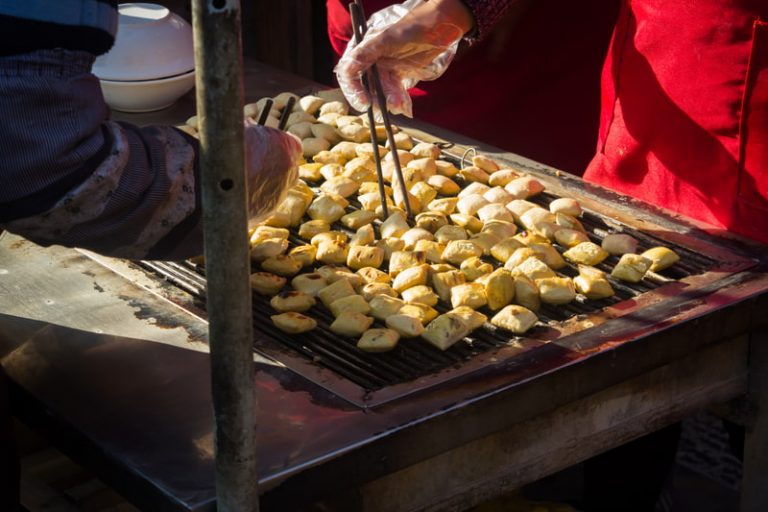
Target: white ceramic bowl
{"x":146,"y":95}
{"x":151,"y":43}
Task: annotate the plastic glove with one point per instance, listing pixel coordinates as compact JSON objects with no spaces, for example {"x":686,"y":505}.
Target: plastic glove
{"x":409,"y":42}
{"x":271,"y":163}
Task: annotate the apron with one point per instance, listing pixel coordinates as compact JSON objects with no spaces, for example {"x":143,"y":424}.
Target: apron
{"x":684,"y":118}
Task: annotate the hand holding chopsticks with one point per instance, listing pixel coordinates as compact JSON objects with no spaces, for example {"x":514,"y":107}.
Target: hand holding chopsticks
{"x":371,"y":79}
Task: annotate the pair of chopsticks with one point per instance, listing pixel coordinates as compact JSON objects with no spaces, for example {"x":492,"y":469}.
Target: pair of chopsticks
{"x":264,"y":114}
{"x":371,"y":78}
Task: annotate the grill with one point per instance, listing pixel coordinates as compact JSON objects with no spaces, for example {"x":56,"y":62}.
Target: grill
{"x":365,"y":379}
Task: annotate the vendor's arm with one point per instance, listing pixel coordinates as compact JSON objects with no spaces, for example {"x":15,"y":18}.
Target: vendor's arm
{"x":71,"y":177}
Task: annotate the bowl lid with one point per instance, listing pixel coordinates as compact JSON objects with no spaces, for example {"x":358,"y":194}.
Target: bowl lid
{"x":151,"y":43}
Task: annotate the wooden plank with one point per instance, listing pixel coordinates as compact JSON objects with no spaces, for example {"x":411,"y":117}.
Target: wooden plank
{"x":489,"y":467}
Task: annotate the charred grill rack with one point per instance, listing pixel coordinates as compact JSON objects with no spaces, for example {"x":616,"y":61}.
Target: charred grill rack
{"x":365,"y":379}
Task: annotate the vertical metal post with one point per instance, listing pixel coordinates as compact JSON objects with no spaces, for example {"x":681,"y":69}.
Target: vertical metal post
{"x":218,"y":57}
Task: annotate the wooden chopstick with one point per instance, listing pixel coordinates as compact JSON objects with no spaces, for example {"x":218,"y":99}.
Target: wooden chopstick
{"x":286,"y":112}
{"x":356,"y":30}
{"x":359,"y":25}
{"x":264,"y":114}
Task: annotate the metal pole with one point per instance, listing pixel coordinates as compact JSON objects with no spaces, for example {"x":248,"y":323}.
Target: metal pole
{"x":218,"y":57}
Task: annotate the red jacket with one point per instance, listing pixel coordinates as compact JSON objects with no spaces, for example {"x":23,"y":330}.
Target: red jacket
{"x":684,"y":114}
{"x":684,"y":121}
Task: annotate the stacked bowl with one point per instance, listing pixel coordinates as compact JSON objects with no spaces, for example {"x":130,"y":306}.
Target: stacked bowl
{"x":152,"y":63}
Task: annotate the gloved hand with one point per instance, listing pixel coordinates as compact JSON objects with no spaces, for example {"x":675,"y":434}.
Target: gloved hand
{"x":409,"y":42}
{"x":271,"y":162}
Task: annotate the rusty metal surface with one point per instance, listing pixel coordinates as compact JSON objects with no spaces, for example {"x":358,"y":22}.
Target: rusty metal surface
{"x":116,"y":371}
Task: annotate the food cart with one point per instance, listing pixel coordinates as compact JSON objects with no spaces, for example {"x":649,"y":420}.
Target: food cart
{"x":109,"y":360}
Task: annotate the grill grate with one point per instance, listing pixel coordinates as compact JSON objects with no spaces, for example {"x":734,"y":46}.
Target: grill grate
{"x":413,"y":359}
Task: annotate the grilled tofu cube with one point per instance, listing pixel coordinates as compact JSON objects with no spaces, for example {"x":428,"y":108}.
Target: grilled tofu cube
{"x":449,"y":233}
{"x":661,"y":258}
{"x":445,"y":168}
{"x":332,"y":252}
{"x":619,"y":243}
{"x":432,"y":250}
{"x":422,"y":312}
{"x":293,"y":322}
{"x":535,"y":216}
{"x":466,"y":221}
{"x":485,"y":163}
{"x":514,"y":318}
{"x":586,"y":253}
{"x":456,"y":251}
{"x":503,"y":176}
{"x":361,"y":256}
{"x":556,"y":290}
{"x":473,"y":173}
{"x":335,"y":291}
{"x":565,"y":205}
{"x":328,"y":236}
{"x":383,"y":306}
{"x":305,"y":254}
{"x":326,"y":208}
{"x":394,"y":226}
{"x":431,"y":221}
{"x":406,"y":326}
{"x":524,"y":187}
{"x":351,"y":323}
{"x":568,"y":237}
{"x":309,"y":283}
{"x":262,"y":233}
{"x":501,"y":228}
{"x":421,"y":294}
{"x":266,"y":283}
{"x":468,"y":294}
{"x":401,"y":260}
{"x":445,"y":330}
{"x":527,"y":293}
{"x":371,"y":290}
{"x":350,"y":303}
{"x":268,"y":248}
{"x":443,"y":282}
{"x":503,"y":250}
{"x":309,"y":229}
{"x":378,"y":340}
{"x":333,"y":273}
{"x":548,"y":254}
{"x":444,"y":185}
{"x":592,"y":283}
{"x":485,"y":240}
{"x":499,"y":288}
{"x":390,"y":245}
{"x":358,"y":219}
{"x":340,"y":186}
{"x":373,"y":275}
{"x":631,"y":268}
{"x":443,"y":205}
{"x":415,"y":235}
{"x":472,"y":318}
{"x":474,"y":268}
{"x":535,"y":269}
{"x":292,"y":301}
{"x":411,"y":277}
{"x":282,"y":265}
